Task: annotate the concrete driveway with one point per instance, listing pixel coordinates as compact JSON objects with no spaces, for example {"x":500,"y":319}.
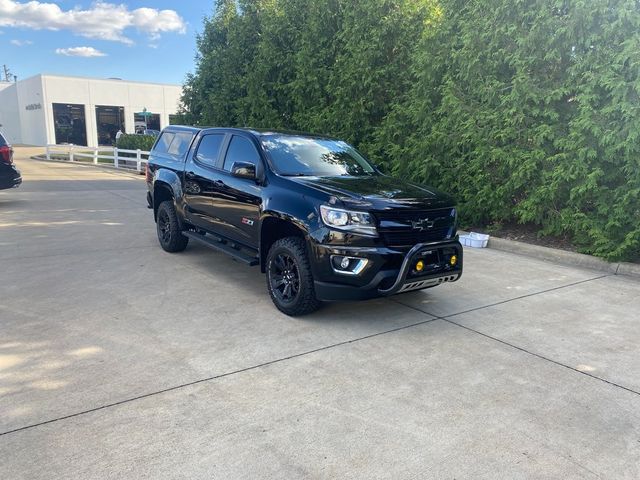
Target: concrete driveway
{"x":118,"y":360}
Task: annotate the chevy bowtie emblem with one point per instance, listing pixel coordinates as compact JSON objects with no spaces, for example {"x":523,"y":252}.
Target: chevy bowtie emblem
{"x":424,"y":224}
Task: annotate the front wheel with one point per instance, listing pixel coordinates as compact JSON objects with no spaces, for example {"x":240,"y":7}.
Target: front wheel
{"x":168,"y":227}
{"x":289,"y":278}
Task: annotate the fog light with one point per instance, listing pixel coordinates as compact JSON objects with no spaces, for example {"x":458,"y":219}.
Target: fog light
{"x":348,"y":265}
{"x":419,"y":266}
{"x":453,"y":260}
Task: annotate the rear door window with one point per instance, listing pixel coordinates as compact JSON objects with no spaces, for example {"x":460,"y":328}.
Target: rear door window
{"x":3,"y":142}
{"x":209,"y":149}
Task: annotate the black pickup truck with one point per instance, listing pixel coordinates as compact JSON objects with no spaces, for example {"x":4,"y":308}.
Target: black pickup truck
{"x":322,"y":222}
{"x":9,"y":175}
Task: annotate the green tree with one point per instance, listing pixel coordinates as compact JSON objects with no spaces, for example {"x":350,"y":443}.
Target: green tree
{"x":526,"y":110}
{"x":216,"y":93}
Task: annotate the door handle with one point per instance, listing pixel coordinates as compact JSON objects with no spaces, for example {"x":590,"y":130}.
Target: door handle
{"x":219,"y":183}
{"x":190,"y":175}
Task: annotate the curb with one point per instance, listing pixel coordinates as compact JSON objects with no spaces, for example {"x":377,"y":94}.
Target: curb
{"x":632,"y":269}
{"x":553,"y":255}
{"x":563,"y":257}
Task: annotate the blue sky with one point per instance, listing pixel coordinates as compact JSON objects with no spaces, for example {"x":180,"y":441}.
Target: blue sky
{"x":148,"y":40}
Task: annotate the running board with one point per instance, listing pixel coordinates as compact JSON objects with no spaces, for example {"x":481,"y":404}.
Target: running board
{"x":223,"y":245}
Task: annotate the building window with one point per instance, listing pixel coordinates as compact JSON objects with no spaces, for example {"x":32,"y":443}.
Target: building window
{"x":109,"y":120}
{"x":149,"y":121}
{"x":70,"y":124}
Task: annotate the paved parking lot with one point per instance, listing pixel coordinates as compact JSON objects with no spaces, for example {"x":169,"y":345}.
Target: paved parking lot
{"x":118,"y":360}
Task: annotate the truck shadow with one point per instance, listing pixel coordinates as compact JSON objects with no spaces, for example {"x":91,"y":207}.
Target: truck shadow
{"x":250,"y":282}
{"x":7,"y":203}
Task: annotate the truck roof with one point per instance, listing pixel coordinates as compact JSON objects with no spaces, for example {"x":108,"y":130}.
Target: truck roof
{"x":258,"y":132}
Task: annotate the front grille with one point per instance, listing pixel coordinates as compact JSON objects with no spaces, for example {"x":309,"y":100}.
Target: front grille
{"x":404,"y":215}
{"x":396,"y":227}
{"x":394,"y":239}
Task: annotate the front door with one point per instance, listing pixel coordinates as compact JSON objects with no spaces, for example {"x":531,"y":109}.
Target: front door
{"x":237,"y":201}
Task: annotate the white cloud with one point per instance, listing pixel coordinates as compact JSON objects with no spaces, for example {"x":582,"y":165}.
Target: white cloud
{"x":80,"y":52}
{"x":106,"y":21}
{"x":21,"y":43}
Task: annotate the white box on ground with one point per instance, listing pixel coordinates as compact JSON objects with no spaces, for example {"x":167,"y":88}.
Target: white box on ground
{"x":475,"y":240}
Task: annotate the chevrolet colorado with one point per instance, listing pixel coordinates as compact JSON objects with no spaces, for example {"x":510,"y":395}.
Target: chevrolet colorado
{"x":320,"y":220}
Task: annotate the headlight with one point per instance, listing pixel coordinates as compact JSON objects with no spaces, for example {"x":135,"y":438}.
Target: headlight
{"x":357,"y":222}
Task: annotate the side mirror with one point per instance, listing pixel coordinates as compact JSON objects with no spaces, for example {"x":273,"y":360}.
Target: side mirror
{"x":243,"y":170}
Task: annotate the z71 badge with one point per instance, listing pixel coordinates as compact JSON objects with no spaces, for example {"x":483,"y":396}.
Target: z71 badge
{"x":247,"y":221}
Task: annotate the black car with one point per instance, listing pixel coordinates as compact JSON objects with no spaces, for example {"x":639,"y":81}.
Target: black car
{"x":322,"y":222}
{"x":9,"y":175}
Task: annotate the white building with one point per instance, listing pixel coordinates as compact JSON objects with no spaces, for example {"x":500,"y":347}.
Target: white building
{"x":47,"y":109}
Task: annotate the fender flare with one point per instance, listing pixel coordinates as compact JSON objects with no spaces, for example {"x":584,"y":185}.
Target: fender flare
{"x":303,"y":223}
{"x":168,"y":179}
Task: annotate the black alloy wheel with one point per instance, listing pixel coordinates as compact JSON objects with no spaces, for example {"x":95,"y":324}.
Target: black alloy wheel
{"x":168,"y":227}
{"x":285,"y":278}
{"x":289,"y":278}
{"x":164,"y":227}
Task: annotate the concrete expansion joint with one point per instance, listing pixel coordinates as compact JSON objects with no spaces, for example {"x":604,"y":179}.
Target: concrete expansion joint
{"x":448,"y":319}
{"x":215,"y":377}
{"x":542,"y":357}
{"x":432,"y":318}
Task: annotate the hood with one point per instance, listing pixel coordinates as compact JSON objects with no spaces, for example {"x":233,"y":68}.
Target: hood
{"x":378,"y":192}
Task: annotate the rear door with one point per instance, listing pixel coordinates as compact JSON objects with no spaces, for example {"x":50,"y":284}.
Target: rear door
{"x":201,"y":177}
{"x":237,"y":201}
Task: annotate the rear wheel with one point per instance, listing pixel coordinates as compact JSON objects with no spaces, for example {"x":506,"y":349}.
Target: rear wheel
{"x":289,"y":278}
{"x":169,"y":232}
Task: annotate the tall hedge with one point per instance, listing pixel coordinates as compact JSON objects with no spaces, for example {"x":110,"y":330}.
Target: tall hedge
{"x":526,"y":110}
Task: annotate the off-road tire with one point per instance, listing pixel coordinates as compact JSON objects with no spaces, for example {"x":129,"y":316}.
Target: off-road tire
{"x":168,"y":228}
{"x":304,"y":301}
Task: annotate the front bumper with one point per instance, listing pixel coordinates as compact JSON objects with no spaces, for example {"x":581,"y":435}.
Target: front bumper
{"x":389,"y":271}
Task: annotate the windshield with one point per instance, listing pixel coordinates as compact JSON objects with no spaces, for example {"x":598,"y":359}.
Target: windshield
{"x":293,"y":156}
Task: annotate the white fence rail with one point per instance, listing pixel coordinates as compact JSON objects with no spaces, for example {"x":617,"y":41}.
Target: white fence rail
{"x":131,"y":160}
